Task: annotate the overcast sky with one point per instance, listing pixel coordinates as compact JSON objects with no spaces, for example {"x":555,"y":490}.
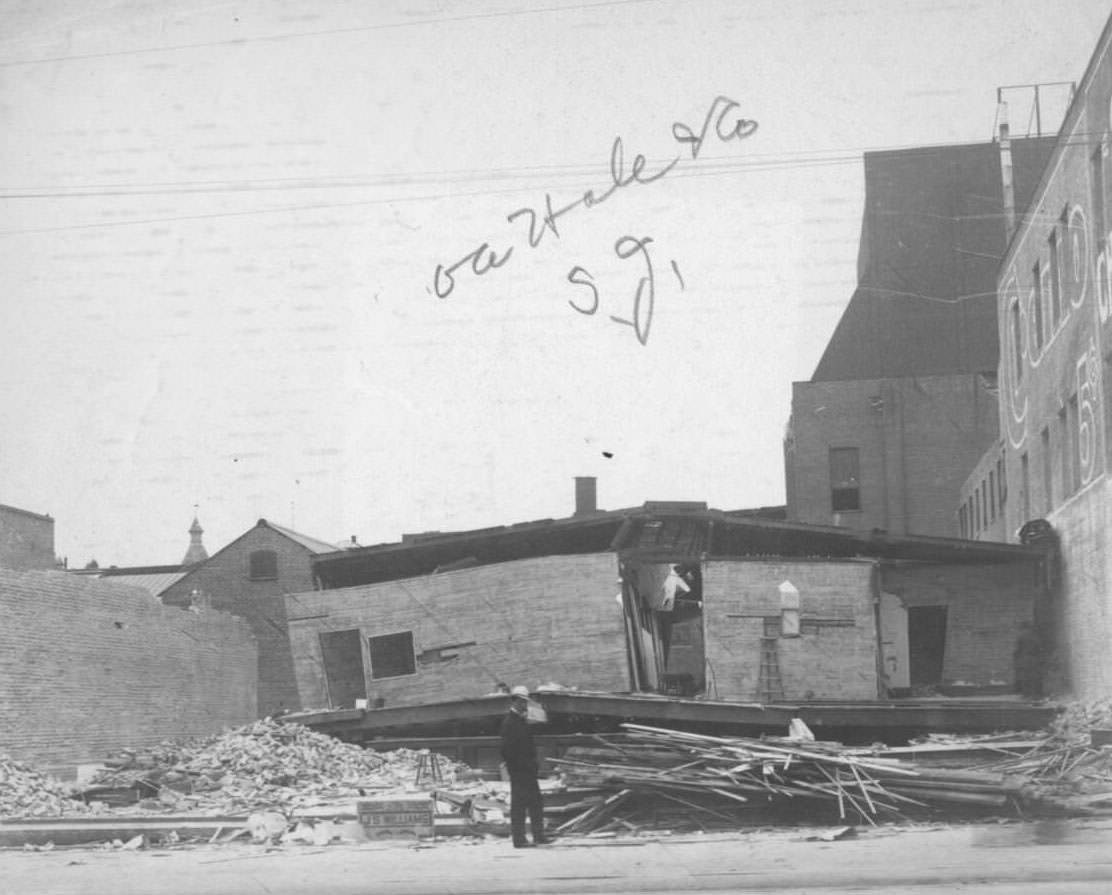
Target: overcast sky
{"x":221,"y":225}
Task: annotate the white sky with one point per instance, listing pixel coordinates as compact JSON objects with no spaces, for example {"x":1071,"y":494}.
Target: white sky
{"x":219,"y":225}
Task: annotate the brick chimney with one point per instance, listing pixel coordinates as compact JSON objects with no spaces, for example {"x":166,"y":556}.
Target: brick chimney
{"x":586,"y":495}
{"x":1006,"y":175}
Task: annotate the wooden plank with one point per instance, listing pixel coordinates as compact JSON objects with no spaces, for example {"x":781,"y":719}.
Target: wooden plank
{"x":958,"y":716}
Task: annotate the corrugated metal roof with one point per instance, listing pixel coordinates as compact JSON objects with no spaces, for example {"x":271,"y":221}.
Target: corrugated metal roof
{"x":153,"y":579}
{"x":156,"y":582}
{"x":312,"y":544}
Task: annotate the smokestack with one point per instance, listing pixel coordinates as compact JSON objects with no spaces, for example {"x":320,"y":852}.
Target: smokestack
{"x":1006,"y":170}
{"x":586,"y":495}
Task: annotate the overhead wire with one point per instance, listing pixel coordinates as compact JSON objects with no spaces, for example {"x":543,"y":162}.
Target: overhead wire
{"x":324,"y":32}
{"x":708,"y":166}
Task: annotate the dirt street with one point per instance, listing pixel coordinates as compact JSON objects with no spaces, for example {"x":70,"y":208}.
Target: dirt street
{"x":1052,"y":857}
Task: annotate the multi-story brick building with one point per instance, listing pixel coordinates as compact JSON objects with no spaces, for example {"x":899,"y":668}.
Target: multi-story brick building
{"x":902,"y":404}
{"x":1054,"y":303}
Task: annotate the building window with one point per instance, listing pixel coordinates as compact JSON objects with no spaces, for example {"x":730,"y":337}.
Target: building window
{"x":392,"y":655}
{"x":1025,"y":486}
{"x":264,"y":565}
{"x":1073,"y":441}
{"x":1054,"y":273}
{"x":1001,"y":483}
{"x":845,"y":483}
{"x":1037,"y":308}
{"x":1063,"y":439}
{"x":789,"y":609}
{"x":977,"y":508}
{"x":963,"y":522}
{"x":1096,"y":182}
{"x":1048,"y":471}
{"x":992,"y":495}
{"x":1017,"y":341}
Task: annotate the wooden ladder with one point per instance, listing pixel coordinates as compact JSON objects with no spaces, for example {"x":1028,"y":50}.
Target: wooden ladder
{"x":770,"y":686}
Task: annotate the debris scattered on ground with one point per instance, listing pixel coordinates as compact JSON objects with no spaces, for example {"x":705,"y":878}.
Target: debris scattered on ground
{"x":733,"y":779}
{"x":265,"y":765}
{"x":26,"y":792}
{"x":298,"y":787}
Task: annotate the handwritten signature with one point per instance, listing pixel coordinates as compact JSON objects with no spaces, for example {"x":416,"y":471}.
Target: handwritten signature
{"x":544,"y":221}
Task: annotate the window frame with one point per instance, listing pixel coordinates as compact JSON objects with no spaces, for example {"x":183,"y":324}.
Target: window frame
{"x":841,"y":490}
{"x":1047,"y":470}
{"x":1054,"y":278}
{"x":373,"y":673}
{"x":1037,"y":324}
{"x":269,"y":552}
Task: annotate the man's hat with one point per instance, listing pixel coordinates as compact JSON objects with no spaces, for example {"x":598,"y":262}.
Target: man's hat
{"x":521,"y":691}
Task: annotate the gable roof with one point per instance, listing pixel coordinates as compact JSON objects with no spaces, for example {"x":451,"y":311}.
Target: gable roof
{"x":313,"y":546}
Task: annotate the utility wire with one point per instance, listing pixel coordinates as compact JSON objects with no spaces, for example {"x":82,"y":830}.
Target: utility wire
{"x":272,"y":38}
{"x":709,"y":166}
{"x":718,"y":167}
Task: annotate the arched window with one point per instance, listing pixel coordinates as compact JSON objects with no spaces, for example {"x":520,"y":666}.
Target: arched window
{"x":264,"y":565}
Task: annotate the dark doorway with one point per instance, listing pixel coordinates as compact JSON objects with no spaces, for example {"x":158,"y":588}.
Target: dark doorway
{"x":343,"y":667}
{"x":926,"y":642}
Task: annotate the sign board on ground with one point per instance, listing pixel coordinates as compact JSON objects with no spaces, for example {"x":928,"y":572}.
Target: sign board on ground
{"x":397,"y":816}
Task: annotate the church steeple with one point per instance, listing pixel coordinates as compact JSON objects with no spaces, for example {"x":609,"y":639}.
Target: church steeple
{"x":196,"y":552}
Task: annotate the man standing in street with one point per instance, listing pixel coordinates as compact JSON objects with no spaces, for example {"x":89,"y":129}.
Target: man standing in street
{"x":519,"y":754}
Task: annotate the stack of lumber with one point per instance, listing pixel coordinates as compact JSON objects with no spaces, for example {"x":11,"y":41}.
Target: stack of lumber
{"x":26,"y":792}
{"x":262,"y":765}
{"x":714,"y":779}
{"x":988,"y":752}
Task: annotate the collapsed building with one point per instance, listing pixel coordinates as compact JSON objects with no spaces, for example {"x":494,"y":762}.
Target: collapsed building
{"x":670,"y":599}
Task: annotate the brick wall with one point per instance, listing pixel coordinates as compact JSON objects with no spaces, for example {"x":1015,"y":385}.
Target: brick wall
{"x":1083,"y":605}
{"x":88,"y":666}
{"x":985,"y":605}
{"x":533,"y":621}
{"x":226,"y":579}
{"x":26,"y":539}
{"x":824,"y":663}
{"x":917,"y":440}
{"x":1056,"y":374}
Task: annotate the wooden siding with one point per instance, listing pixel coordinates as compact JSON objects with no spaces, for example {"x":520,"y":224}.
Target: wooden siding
{"x":534,"y":621}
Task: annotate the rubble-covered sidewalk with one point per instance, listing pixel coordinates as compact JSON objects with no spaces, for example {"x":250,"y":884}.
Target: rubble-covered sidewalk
{"x":273,"y":782}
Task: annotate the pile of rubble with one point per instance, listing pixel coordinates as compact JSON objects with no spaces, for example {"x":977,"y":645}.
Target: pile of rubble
{"x":263,"y":765}
{"x":26,"y":792}
{"x":1071,"y":765}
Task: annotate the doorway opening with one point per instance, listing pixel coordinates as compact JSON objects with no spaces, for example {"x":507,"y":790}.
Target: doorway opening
{"x":662,"y":602}
{"x":343,"y":667}
{"x":926,"y":642}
